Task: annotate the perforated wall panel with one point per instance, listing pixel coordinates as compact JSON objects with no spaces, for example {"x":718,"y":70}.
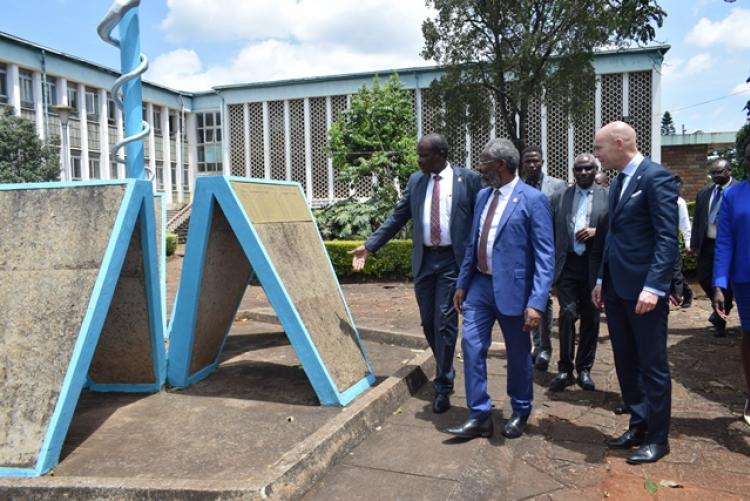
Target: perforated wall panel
{"x":236,"y":139}
{"x":318,"y":144}
{"x":557,"y":141}
{"x":297,"y":140}
{"x":611,"y":98}
{"x":257,"y":168}
{"x":640,"y":109}
{"x":276,"y":138}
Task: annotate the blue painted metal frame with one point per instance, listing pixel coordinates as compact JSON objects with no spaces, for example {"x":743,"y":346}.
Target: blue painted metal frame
{"x":182,"y":326}
{"x":137,"y":203}
{"x":163,"y":260}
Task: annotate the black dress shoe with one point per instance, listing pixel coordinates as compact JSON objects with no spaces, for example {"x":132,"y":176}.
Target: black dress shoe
{"x":561,"y":381}
{"x":440,"y":403}
{"x":473,"y":428}
{"x":541,"y":362}
{"x":584,"y":381}
{"x":515,"y":426}
{"x":649,"y":453}
{"x":621,"y":408}
{"x":720,"y":330}
{"x":631,"y":438}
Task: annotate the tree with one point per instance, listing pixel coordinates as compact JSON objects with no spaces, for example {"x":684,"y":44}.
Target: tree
{"x":667,"y":124}
{"x":375,"y":140}
{"x":740,"y":168}
{"x":511,"y":51}
{"x":24,"y":158}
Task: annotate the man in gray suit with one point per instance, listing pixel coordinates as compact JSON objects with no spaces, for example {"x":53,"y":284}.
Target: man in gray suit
{"x":532,"y":161}
{"x":439,"y":199}
{"x":576,"y":217}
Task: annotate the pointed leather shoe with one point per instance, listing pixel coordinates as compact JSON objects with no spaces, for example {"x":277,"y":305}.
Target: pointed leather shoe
{"x":515,"y":426}
{"x":440,"y":403}
{"x":631,"y":438}
{"x":561,"y":381}
{"x":584,"y":381}
{"x":473,"y":428}
{"x":649,"y":453}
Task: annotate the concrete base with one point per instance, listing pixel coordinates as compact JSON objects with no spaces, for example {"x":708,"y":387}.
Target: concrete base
{"x":253,"y":430}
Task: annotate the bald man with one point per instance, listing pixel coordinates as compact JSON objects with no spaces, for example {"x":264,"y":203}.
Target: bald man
{"x":576,"y":217}
{"x":633,"y":284}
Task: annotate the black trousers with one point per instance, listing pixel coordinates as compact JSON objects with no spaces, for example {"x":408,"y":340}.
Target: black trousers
{"x":434,"y":287}
{"x":574,"y":296}
{"x":639,"y":344}
{"x":705,"y":273}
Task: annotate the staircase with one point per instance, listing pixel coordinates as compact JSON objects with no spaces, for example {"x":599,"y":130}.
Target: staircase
{"x":178,"y":220}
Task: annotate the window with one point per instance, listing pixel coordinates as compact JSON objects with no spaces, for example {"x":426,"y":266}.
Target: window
{"x":92,"y":105}
{"x":26,"y":83}
{"x":94,"y":172}
{"x":156,"y":122}
{"x":159,"y":176}
{"x":50,"y":91}
{"x":173,"y":120}
{"x":3,"y":83}
{"x":75,"y":167}
{"x":113,"y":170}
{"x":73,"y":97}
{"x":208,"y":132}
{"x":111,"y":110}
{"x":185,"y":179}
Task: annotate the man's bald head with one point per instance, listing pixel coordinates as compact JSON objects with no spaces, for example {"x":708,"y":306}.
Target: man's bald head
{"x":615,"y":145}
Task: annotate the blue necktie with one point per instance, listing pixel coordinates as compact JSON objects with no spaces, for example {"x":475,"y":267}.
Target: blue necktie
{"x":580,"y":222}
{"x":713,"y":212}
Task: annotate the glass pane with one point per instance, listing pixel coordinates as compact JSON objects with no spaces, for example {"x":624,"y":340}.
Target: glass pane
{"x":201,"y":154}
{"x":209,"y":135}
{"x":218,"y":119}
{"x":209,"y":119}
{"x":199,"y":120}
{"x":218,"y":135}
{"x":200,"y":136}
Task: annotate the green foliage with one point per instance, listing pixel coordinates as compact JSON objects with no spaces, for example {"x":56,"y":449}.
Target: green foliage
{"x":24,"y":158}
{"x":689,"y":263}
{"x":667,"y":124}
{"x":740,"y":167}
{"x":510,"y":51}
{"x":392,"y":261}
{"x":374,"y":141}
{"x":171,"y":246}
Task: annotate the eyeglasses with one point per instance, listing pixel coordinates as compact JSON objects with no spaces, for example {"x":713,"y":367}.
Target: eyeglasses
{"x":485,"y":162}
{"x":584,"y":168}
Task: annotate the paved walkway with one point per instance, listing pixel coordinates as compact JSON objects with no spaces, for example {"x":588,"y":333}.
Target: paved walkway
{"x":562,"y":455}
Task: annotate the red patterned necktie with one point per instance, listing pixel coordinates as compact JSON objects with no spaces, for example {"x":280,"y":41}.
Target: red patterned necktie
{"x":435,"y":213}
{"x":482,"y":263}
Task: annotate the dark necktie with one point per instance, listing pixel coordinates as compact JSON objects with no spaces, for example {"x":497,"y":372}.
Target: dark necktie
{"x":620,"y":182}
{"x":713,"y":212}
{"x":482,"y":251}
{"x":435,"y":213}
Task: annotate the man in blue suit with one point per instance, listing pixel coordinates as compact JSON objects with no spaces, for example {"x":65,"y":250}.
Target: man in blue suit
{"x":633,"y":285}
{"x":506,"y":276}
{"x":439,"y":199}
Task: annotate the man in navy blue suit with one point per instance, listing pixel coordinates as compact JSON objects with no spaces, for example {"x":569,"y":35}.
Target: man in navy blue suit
{"x":633,"y":285}
{"x":505,"y":277}
{"x":439,"y":199}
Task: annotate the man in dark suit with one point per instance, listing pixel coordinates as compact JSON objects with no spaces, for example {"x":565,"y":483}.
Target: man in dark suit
{"x":576,"y":217}
{"x":439,"y":199}
{"x":703,"y":237}
{"x":532,"y":163}
{"x":505,"y":277}
{"x":634,"y":283}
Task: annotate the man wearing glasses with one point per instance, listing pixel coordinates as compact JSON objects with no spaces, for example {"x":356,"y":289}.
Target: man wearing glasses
{"x":576,"y":216}
{"x":703,"y":237}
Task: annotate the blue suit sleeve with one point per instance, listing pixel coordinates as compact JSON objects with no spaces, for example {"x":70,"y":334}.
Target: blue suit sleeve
{"x":543,"y":247}
{"x":724,"y":243}
{"x":662,"y":200}
{"x":395,"y":221}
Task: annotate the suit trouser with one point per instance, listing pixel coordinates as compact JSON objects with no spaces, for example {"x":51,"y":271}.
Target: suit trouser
{"x":574,"y":296}
{"x":705,"y":274}
{"x":639,"y":343}
{"x":542,"y":333}
{"x":480,"y":314}
{"x":434,"y":287}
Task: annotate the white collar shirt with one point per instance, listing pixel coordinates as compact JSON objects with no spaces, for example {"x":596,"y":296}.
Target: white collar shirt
{"x":505,"y":193}
{"x":446,"y":199}
{"x":629,"y":170}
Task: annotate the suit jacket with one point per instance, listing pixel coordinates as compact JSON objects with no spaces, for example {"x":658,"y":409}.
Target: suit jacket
{"x":553,"y":188}
{"x":466,"y":184}
{"x":732,"y":243}
{"x":523,"y":254}
{"x":564,"y":214}
{"x":700,"y":217}
{"x":641,"y":245}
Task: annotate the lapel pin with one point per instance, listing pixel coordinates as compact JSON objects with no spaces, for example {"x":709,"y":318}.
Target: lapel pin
{"x":515,"y":200}
{"x":460,"y":179}
{"x":639,"y":177}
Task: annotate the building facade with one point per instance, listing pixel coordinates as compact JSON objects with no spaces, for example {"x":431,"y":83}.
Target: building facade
{"x":278,"y":130}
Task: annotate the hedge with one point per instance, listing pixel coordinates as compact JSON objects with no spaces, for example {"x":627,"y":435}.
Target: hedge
{"x":392,"y":261}
{"x":171,"y":243}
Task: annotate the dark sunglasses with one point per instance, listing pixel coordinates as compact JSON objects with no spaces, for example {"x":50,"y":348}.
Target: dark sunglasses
{"x":584,"y":168}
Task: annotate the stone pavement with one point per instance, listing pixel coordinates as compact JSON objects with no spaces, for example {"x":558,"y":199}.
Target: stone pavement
{"x":562,"y":455}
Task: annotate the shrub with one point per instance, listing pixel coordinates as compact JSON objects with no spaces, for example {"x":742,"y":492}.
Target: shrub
{"x":171,"y":246}
{"x":392,"y":261}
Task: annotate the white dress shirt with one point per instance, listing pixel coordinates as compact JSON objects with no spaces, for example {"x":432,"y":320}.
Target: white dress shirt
{"x":629,"y":170}
{"x":505,"y":192}
{"x":446,"y":199}
{"x":684,"y":224}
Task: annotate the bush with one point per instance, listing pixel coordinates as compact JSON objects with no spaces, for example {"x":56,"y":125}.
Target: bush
{"x":392,"y":261}
{"x":171,"y":246}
